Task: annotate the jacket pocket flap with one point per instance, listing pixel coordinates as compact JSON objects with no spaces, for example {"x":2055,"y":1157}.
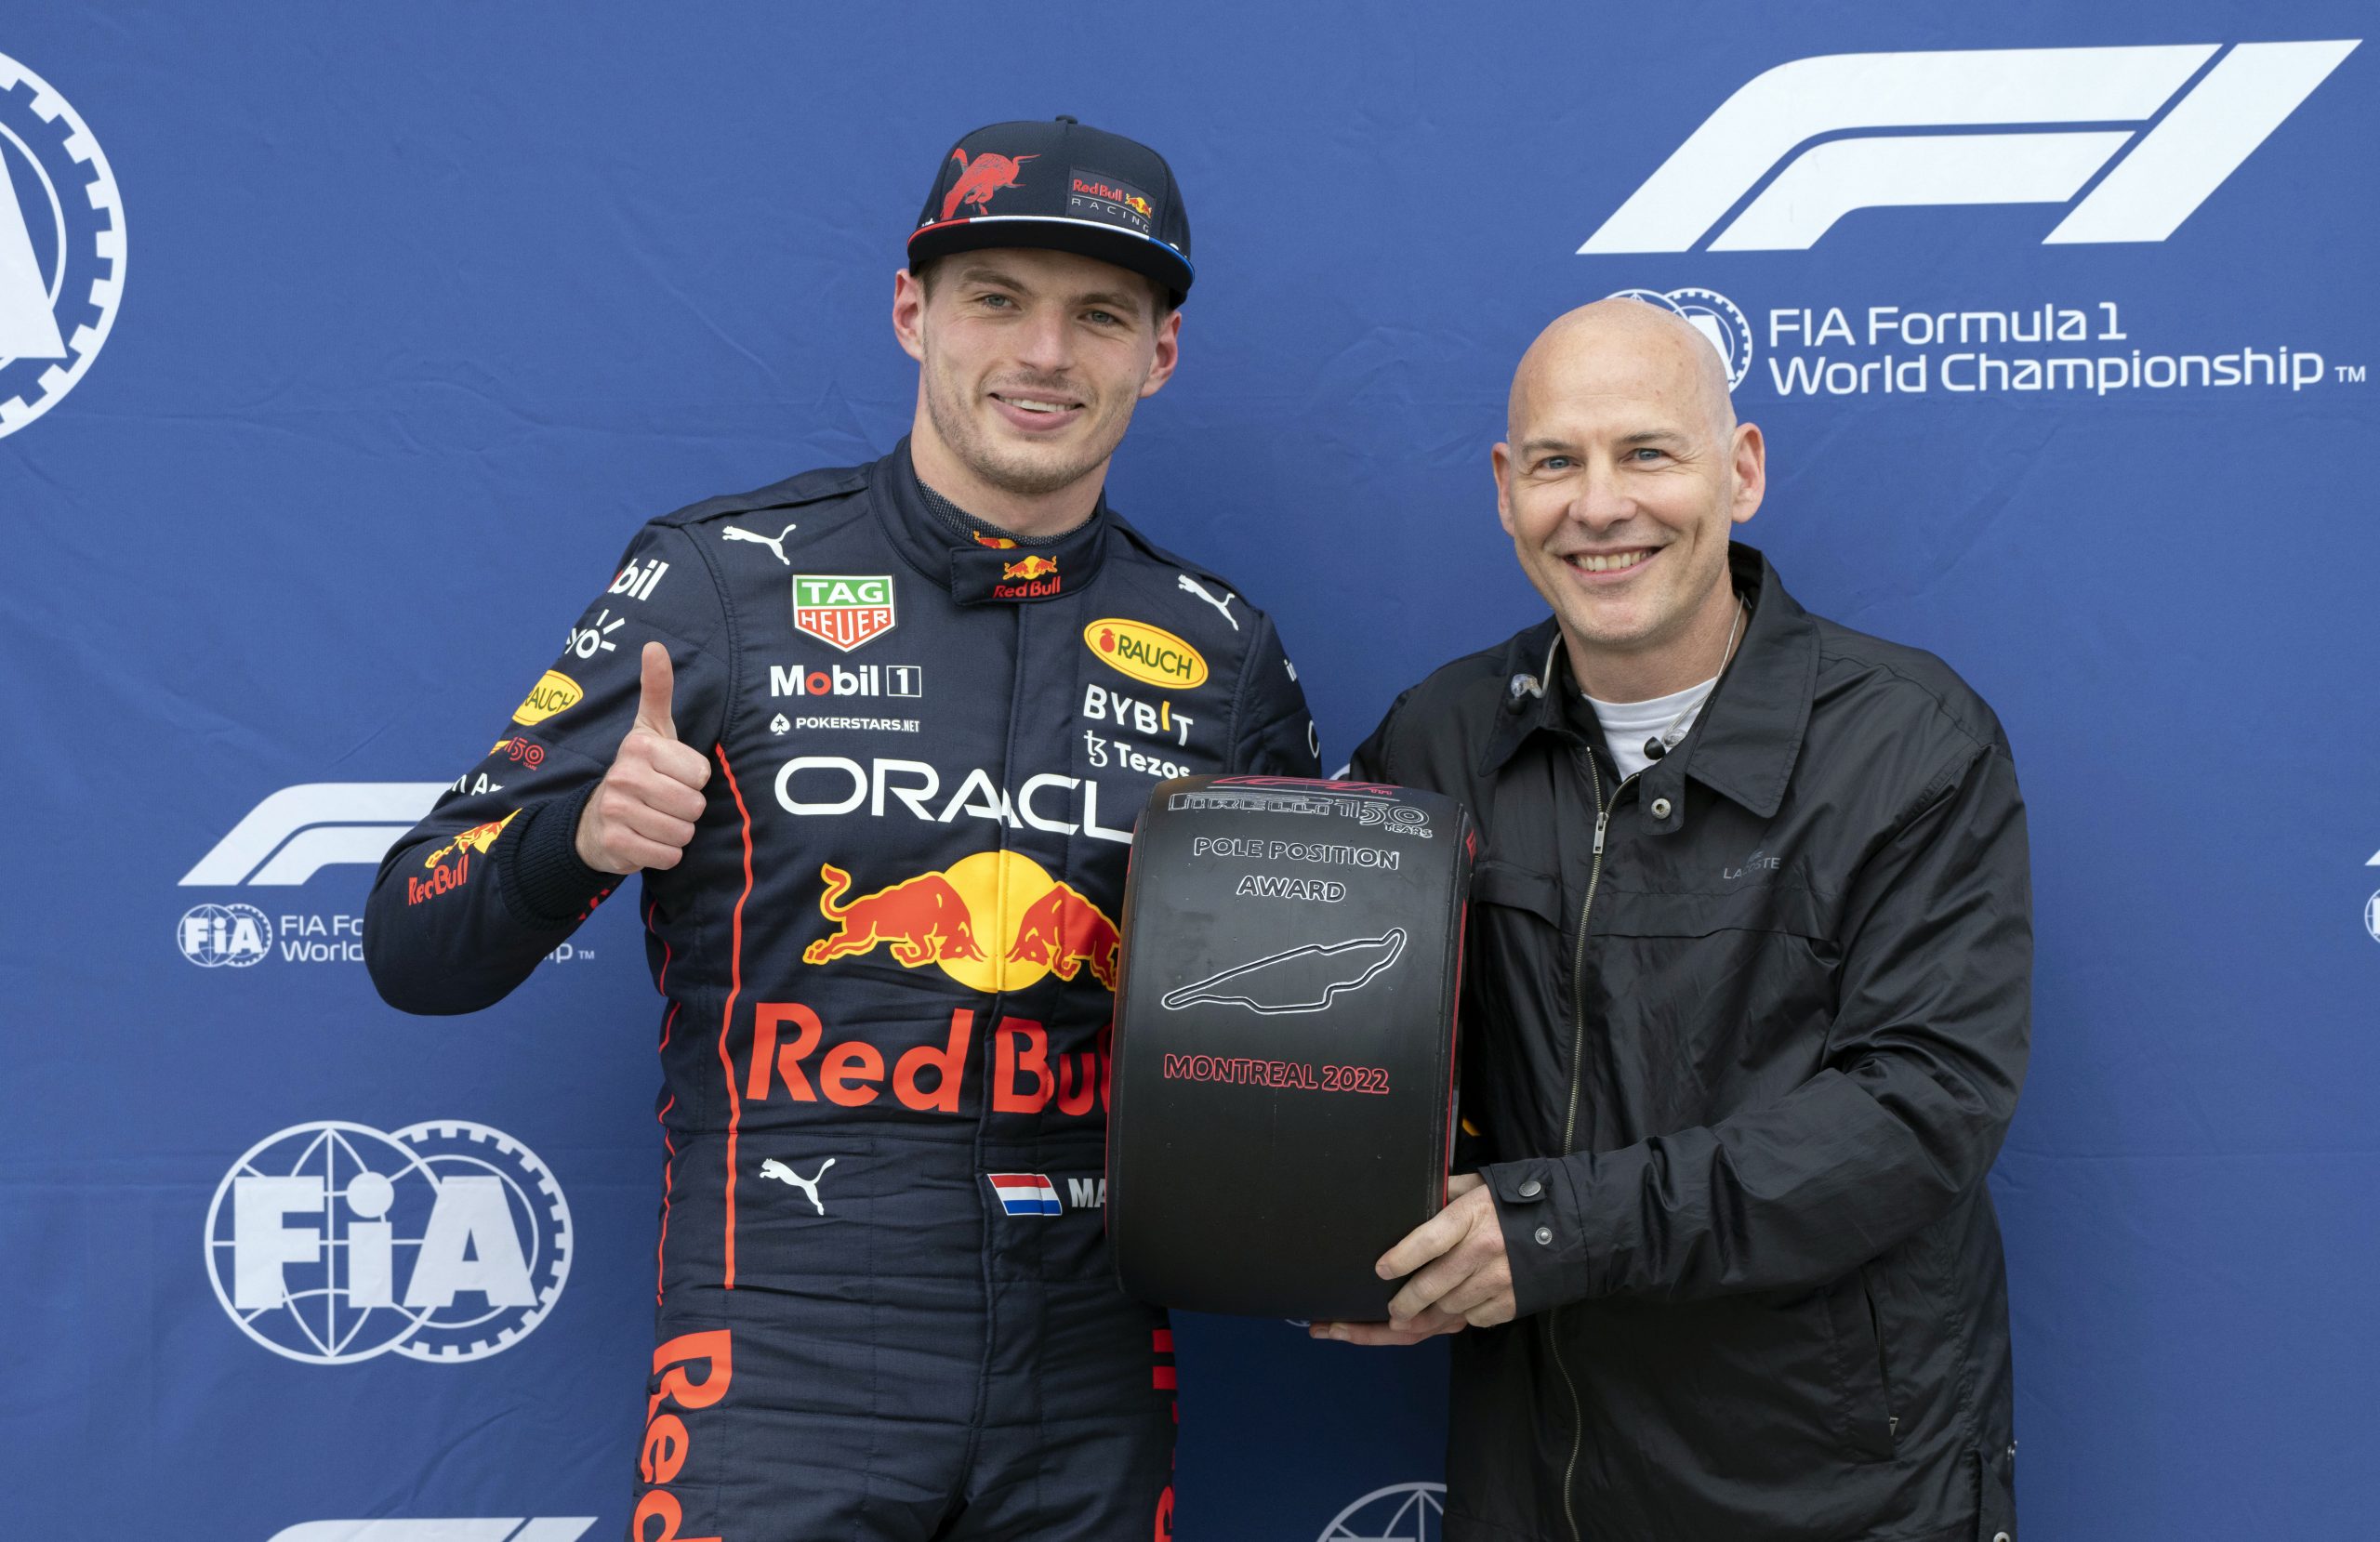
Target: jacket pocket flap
{"x":1497,"y":883}
{"x":1755,"y":907}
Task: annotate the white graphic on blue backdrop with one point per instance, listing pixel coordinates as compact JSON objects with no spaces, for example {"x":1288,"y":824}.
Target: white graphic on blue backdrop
{"x":546,"y":1528}
{"x":331,"y":1243}
{"x":61,"y":247}
{"x":1401,"y":1513}
{"x":2192,"y":148}
{"x":233,"y":936}
{"x":298,"y":831}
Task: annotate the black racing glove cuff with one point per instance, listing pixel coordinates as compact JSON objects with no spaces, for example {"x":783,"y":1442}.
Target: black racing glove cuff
{"x":545,"y":882}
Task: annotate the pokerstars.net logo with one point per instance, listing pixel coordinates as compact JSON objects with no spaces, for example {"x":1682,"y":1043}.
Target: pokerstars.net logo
{"x":331,"y":1241}
{"x":61,"y":247}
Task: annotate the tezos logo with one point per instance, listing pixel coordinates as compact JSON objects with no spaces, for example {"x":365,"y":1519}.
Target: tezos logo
{"x":1401,"y":1513}
{"x":1713,"y":315}
{"x":61,"y":247}
{"x":332,"y":1242}
{"x":216,"y":936}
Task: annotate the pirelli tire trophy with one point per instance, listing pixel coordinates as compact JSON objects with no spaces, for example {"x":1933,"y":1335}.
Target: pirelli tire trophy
{"x":1284,"y":1099}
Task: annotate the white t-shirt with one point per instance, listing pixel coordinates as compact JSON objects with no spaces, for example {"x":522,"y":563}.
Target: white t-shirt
{"x":1626,"y":725}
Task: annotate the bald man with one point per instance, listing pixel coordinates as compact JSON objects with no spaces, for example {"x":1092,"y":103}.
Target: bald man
{"x":1745,"y":1019}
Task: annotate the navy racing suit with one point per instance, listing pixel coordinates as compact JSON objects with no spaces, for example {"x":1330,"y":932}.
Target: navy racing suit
{"x":887,"y":962}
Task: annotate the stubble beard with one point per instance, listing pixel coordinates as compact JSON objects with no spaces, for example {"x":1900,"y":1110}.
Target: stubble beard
{"x":1020,"y":475}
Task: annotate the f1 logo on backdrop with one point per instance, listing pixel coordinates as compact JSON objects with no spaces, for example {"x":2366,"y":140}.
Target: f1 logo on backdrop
{"x":298,"y":831}
{"x":331,"y":1243}
{"x":549,"y":1528}
{"x":2165,"y":172}
{"x":61,"y":247}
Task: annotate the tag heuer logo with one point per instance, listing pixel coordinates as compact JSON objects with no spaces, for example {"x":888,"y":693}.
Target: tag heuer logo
{"x":842,"y":610}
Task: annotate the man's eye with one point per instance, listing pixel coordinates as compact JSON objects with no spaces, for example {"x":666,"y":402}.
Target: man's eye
{"x":1107,"y":318}
{"x":1645,"y":453}
{"x":1555,"y":462}
{"x":997,"y":302}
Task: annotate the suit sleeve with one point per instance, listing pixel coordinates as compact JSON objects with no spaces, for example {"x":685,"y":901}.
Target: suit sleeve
{"x":1273,"y":735}
{"x":490,"y":882}
{"x":1920,"y":1078}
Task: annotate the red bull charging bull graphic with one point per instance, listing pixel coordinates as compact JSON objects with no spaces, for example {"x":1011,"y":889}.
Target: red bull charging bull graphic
{"x":1034,"y":578}
{"x":993,"y":921}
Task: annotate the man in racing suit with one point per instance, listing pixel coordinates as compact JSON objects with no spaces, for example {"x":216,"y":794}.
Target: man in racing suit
{"x":877,"y":737}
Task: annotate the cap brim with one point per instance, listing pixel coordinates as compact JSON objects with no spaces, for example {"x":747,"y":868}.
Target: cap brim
{"x":1088,"y":238}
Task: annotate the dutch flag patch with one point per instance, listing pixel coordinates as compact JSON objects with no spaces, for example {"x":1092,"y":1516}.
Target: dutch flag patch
{"x":1026,"y":1193}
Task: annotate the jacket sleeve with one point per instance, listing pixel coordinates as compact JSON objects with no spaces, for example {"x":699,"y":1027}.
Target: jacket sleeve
{"x":1273,"y":732}
{"x":1920,"y":1076}
{"x":490,"y":882}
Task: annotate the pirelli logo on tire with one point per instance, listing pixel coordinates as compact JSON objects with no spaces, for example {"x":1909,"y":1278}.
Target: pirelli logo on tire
{"x":1149,"y":655}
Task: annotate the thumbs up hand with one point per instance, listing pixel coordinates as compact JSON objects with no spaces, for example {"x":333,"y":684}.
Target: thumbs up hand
{"x":645,"y":812}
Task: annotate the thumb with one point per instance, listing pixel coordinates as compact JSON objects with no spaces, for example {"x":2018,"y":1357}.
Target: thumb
{"x":652,"y":699}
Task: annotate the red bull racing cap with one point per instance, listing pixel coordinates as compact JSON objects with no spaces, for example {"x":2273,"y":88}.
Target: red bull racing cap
{"x":1064,"y":186}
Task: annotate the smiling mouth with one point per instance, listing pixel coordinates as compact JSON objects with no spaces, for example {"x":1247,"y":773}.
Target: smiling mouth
{"x":1611,"y":562}
{"x":1040,"y":405}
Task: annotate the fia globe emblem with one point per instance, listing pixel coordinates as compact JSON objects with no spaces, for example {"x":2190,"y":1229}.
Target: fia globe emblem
{"x":61,"y":247}
{"x":2372,"y":916}
{"x":215,"y":937}
{"x":331,"y":1243}
{"x":1401,"y":1513}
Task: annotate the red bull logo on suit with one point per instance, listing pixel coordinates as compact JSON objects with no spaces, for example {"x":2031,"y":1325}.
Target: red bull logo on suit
{"x":993,"y":921}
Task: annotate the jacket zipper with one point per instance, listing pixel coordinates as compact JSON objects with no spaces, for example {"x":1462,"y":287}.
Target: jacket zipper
{"x":1570,"y":1118}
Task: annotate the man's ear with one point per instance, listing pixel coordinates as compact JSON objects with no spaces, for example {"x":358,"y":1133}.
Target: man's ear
{"x":1500,"y":458}
{"x":909,"y":314}
{"x":1749,"y":454}
{"x":1168,"y":354}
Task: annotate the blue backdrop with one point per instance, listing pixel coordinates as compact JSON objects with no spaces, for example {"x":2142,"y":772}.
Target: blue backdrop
{"x":345,"y":346}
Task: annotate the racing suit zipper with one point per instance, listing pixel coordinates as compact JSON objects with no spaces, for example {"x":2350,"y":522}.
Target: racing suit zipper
{"x":1570,"y":1118}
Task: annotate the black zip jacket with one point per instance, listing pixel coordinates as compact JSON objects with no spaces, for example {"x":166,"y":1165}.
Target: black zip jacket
{"x":1742,"y":1034}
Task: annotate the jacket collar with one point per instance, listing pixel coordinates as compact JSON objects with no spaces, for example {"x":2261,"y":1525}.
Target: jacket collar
{"x":1747,"y":737}
{"x":976,"y":573}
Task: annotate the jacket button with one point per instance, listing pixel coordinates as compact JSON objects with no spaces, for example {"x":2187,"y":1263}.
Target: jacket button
{"x":1544,"y":1235}
{"x":1661,"y":808}
{"x":1530,"y":1189}
{"x":2000,"y":1536}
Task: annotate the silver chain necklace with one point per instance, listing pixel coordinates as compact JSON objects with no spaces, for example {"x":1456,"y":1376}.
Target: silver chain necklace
{"x":1662,"y":743}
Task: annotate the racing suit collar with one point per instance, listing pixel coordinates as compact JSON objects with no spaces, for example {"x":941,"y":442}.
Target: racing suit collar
{"x":1749,"y":734}
{"x":979,"y":574}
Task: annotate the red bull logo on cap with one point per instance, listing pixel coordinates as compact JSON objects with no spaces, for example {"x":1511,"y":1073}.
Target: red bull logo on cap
{"x":993,"y":921}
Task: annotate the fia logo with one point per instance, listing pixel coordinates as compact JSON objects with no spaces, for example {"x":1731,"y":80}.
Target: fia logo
{"x":331,"y":1243}
{"x":1401,"y":1513}
{"x":61,"y":247}
{"x":215,"y":937}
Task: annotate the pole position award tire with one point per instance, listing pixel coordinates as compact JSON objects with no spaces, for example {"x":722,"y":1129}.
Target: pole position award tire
{"x":1283,"y":1102}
